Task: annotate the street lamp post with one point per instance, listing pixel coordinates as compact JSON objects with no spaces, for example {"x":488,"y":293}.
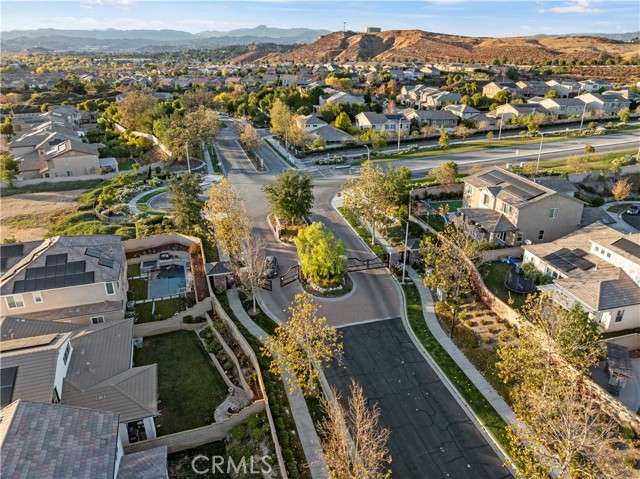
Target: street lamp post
{"x":584,"y":109}
{"x":368,"y":153}
{"x":539,"y":150}
{"x":399,"y":119}
{"x":406,"y":238}
{"x":500,"y":130}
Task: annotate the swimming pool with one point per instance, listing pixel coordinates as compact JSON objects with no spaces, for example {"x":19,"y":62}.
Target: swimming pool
{"x":166,"y":281}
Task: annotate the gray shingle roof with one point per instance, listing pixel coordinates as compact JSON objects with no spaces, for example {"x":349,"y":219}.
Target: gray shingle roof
{"x":149,"y":464}
{"x":55,"y":441}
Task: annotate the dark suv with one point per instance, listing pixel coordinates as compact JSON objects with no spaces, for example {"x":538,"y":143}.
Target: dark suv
{"x":271,"y":267}
{"x":633,"y":210}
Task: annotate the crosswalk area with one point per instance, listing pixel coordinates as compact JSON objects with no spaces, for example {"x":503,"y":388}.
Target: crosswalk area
{"x":330,"y":171}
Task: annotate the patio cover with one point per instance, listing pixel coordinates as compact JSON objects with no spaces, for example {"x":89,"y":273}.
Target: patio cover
{"x":491,"y":220}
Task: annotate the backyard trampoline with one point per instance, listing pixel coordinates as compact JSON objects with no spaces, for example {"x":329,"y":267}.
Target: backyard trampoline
{"x":518,"y":283}
{"x":167,"y":281}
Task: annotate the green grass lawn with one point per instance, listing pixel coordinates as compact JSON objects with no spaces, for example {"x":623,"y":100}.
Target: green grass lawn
{"x":494,"y":275}
{"x":483,"y":409}
{"x":453,"y":205}
{"x":165,"y":309}
{"x":125,"y":166}
{"x":618,"y":208}
{"x":179,"y":463}
{"x":362,"y":231}
{"x":189,"y":385}
{"x":133,"y":270}
{"x":138,"y":289}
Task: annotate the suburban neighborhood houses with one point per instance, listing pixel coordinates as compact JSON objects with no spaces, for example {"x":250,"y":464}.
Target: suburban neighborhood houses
{"x":319,"y":253}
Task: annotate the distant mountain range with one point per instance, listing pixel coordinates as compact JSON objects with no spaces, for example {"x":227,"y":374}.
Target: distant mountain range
{"x":318,"y":44}
{"x":418,"y":45}
{"x":112,"y":40}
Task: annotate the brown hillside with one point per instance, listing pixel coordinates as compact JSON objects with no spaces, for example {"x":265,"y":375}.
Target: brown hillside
{"x":418,"y":45}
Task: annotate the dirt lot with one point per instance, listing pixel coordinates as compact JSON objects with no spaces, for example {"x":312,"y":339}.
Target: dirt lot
{"x":26,"y":217}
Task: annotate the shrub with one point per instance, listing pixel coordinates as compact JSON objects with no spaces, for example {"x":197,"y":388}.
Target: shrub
{"x":629,"y":434}
{"x":227,"y":366}
{"x":258,"y":434}
{"x":219,"y":325}
{"x":630,"y":462}
{"x":462,"y":316}
{"x":188,"y":319}
{"x":238,"y":432}
{"x":468,"y":323}
{"x":284,"y":439}
{"x":486,"y":339}
{"x":597,"y":201}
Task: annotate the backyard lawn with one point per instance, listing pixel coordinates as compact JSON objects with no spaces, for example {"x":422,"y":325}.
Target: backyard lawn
{"x":164,"y":309}
{"x":133,"y":270}
{"x":494,"y":275}
{"x":189,"y":385}
{"x":453,"y":205}
{"x":138,"y":289}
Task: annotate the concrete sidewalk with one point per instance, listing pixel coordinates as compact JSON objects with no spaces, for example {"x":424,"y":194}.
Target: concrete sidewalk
{"x":460,"y":359}
{"x":304,"y":423}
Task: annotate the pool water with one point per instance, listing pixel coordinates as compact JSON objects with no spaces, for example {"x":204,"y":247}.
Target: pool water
{"x":166,"y":281}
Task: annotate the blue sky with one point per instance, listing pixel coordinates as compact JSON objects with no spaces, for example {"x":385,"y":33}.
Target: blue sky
{"x":463,"y":17}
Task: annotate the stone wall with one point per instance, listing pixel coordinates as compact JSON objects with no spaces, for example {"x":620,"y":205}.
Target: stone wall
{"x":154,"y":328}
{"x":180,"y":441}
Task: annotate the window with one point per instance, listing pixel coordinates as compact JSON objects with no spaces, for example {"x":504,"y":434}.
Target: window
{"x":56,"y":397}
{"x":37,"y":297}
{"x":486,"y":200}
{"x":506,"y":208}
{"x":67,"y":351}
{"x":597,"y":249}
{"x":15,"y":301}
{"x":110,"y":289}
{"x":553,"y":213}
{"x":69,"y":173}
{"x":619,"y":315}
{"x":97,"y":320}
{"x":501,"y":236}
{"x":608,"y":254}
{"x":519,"y":238}
{"x":541,"y":235}
{"x":469,"y":190}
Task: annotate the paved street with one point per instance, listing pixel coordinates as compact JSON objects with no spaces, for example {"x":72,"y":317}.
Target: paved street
{"x":431,"y":436}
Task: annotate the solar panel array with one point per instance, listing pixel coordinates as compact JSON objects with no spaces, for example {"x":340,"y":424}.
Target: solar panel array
{"x":515,"y":186}
{"x":568,"y":260}
{"x":628,"y":246}
{"x":56,"y":274}
{"x":9,"y":251}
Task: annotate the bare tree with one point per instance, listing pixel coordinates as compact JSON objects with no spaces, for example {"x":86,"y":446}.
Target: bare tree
{"x":354,"y":446}
{"x":251,"y":272}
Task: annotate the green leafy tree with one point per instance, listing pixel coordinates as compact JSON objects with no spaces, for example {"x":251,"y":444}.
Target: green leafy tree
{"x":136,"y":111}
{"x":449,"y":260}
{"x":443,"y":141}
{"x":551,"y":94}
{"x":343,"y":122}
{"x":184,"y":202}
{"x":321,"y":255}
{"x":624,"y":114}
{"x":379,"y":142}
{"x":319,"y":142}
{"x":8,"y":169}
{"x":6,"y":129}
{"x":291,"y":196}
{"x":374,"y":196}
{"x":446,"y":173}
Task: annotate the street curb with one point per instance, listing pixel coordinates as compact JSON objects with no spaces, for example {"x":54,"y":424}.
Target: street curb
{"x":493,"y":443}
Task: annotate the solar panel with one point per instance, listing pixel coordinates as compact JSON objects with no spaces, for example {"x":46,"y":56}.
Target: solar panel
{"x":108,"y":262}
{"x":94,"y":253}
{"x":3,"y":263}
{"x":54,"y":275}
{"x":11,"y":250}
{"x":56,"y":259}
{"x":628,"y":247}
{"x":579,"y":252}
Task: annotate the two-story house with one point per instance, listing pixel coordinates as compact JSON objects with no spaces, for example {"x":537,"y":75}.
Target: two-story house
{"x":508,"y":209}
{"x":564,"y":107}
{"x":436,"y":118}
{"x":390,"y":123}
{"x":80,"y":279}
{"x":56,"y":441}
{"x":518,"y":110}
{"x":609,"y":104}
{"x":598,"y":267}
{"x":565,"y":88}
{"x":532,"y":88}
{"x":595,"y":86}
{"x":491,"y":89}
{"x":440,"y":99}
{"x":464,"y":112}
{"x":79,"y":365}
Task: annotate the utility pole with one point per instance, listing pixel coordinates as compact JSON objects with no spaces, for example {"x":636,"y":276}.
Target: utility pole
{"x":406,"y":238}
{"x":344,"y":27}
{"x":188,"y":162}
{"x":399,"y":120}
{"x":584,"y":109}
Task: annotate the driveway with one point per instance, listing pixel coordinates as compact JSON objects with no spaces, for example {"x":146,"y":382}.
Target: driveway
{"x":431,"y":436}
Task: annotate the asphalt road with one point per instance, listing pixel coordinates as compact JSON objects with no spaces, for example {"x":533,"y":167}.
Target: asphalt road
{"x":431,"y":436}
{"x":374,"y":295}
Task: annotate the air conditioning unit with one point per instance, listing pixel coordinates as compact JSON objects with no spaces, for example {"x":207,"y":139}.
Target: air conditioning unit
{"x":137,"y":343}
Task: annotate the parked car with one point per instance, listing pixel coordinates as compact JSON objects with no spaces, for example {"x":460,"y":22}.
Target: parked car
{"x":633,"y":210}
{"x":271,"y":267}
